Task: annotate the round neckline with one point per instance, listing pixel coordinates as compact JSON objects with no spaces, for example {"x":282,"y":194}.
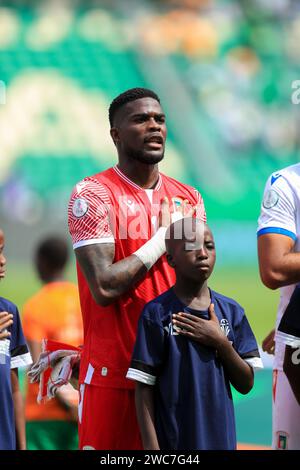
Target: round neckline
{"x":190,"y":309}
{"x":136,"y":186}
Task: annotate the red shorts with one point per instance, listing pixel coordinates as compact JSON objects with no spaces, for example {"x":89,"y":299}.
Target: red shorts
{"x":107,"y":419}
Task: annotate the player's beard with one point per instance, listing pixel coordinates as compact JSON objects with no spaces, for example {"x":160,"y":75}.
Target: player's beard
{"x":143,"y":157}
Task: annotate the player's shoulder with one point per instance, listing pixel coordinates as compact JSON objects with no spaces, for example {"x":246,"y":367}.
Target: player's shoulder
{"x":7,"y":306}
{"x":157,"y":309}
{"x":59,"y":293}
{"x":226,"y":301}
{"x":67,"y":286}
{"x":91,"y":188}
{"x":291,"y":170}
{"x":92,"y":181}
{"x":34,"y":303}
{"x":289,"y":175}
{"x":39,"y":298}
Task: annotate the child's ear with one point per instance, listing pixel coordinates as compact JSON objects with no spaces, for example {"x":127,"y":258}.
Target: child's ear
{"x":171,"y":261}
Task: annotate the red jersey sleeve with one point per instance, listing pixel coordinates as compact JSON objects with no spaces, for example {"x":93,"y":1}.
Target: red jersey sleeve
{"x":88,"y":214}
{"x":200,"y":209}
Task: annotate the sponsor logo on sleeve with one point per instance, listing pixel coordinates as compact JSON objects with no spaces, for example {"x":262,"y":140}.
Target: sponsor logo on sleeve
{"x":80,"y":207}
{"x":271,"y":199}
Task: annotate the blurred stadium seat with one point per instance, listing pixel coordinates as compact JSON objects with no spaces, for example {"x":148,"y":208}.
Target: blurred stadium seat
{"x":224,"y":71}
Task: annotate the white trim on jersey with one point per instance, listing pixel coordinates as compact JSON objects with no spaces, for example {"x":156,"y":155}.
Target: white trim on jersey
{"x":136,"y":186}
{"x":287,"y":339}
{"x":135,"y":374}
{"x":149,"y":193}
{"x":279,"y":204}
{"x":80,"y":404}
{"x":23,"y":360}
{"x":89,"y":374}
{"x":255,"y":362}
{"x":280,"y":211}
{"x":278,"y":230}
{"x":159,"y":183}
{"x":93,"y":241}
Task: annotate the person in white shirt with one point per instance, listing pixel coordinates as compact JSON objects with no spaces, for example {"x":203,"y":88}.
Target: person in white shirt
{"x":279,"y":263}
{"x":289,"y":332}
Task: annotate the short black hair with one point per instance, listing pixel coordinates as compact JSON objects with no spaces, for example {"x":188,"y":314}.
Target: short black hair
{"x":178,"y":231}
{"x":54,"y":252}
{"x":130,"y":95}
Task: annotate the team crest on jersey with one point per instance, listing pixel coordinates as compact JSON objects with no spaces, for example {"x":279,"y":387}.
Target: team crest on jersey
{"x":171,"y":329}
{"x":224,"y":325}
{"x":282,"y":440}
{"x":271,"y":199}
{"x":80,"y":207}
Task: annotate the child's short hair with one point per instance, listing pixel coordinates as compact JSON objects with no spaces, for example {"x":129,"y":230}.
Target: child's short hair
{"x":181,"y":231}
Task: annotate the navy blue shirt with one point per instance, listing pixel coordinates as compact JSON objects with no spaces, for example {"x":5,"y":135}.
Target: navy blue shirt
{"x":193,"y":402}
{"x":13,"y":354}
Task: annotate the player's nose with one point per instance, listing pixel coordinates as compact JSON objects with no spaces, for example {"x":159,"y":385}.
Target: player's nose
{"x":202,"y":253}
{"x":153,"y":124}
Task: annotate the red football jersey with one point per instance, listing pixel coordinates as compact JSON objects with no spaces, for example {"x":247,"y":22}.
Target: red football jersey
{"x":110,"y":208}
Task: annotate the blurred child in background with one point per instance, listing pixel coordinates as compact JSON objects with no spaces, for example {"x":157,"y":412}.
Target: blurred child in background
{"x":53,"y":313}
{"x":13,"y":354}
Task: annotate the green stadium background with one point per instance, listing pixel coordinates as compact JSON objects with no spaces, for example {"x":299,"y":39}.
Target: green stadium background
{"x":224,"y":71}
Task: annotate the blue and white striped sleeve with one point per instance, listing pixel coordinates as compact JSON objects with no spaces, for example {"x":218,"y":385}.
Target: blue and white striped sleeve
{"x":19,"y":352}
{"x":278,"y":209}
{"x":148,"y":351}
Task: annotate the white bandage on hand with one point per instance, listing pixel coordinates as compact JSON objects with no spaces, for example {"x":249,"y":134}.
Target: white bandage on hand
{"x":153,"y":248}
{"x":156,"y":246}
{"x":177,"y":215}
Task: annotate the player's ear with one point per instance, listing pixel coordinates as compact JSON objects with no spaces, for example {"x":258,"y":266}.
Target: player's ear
{"x":114,"y":132}
{"x":170,"y":260}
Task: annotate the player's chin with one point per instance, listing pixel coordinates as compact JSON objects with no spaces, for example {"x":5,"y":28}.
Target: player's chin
{"x":201,"y":274}
{"x":152,"y":157}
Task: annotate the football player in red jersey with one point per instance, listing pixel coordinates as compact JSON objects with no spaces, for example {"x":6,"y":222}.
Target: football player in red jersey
{"x":118,"y":219}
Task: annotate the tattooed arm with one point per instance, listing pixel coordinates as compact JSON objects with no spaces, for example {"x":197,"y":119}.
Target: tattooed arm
{"x":108,"y":280}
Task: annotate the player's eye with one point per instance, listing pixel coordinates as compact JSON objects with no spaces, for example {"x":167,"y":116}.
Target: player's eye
{"x":140,"y":119}
{"x":210,"y":245}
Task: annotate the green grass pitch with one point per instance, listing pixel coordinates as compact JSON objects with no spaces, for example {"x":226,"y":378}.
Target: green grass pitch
{"x":242,"y":284}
